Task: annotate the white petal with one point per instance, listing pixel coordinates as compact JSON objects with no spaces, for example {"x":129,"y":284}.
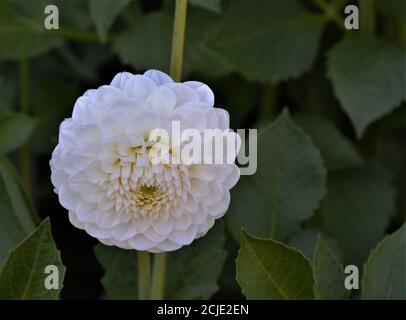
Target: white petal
{"x":114,"y":123}
{"x":158,"y":77}
{"x":167,"y":246}
{"x":107,"y":219}
{"x":182,"y":223}
{"x":203,"y":91}
{"x":143,"y":123}
{"x":67,"y":197}
{"x":218,"y":209}
{"x":120,"y":79}
{"x":184,"y":94}
{"x":97,"y":232}
{"x":124,"y":231}
{"x":161,"y":101}
{"x":183,"y":237}
{"x":154,"y":236}
{"x":75,"y":221}
{"x":139,"y":87}
{"x":140,"y":242}
{"x":163,"y":227}
{"x":224,"y":119}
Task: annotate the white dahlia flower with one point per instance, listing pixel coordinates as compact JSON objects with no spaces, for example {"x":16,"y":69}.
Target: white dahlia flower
{"x":102,"y":173}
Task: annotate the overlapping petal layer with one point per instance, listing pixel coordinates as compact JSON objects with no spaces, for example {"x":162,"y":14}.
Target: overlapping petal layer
{"x":102,"y":173}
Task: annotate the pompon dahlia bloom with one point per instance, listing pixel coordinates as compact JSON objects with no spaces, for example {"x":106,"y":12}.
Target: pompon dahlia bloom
{"x":102,"y":173}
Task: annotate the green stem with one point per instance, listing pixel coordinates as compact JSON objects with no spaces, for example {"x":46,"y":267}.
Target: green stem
{"x":268,"y":101}
{"x":81,"y":36}
{"x":331,"y":13}
{"x":144,"y":275}
{"x":178,"y":39}
{"x":25,"y":156}
{"x":158,"y":278}
{"x":367,"y":16}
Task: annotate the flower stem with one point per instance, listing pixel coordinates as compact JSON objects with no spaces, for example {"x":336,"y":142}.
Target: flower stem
{"x":144,"y":275}
{"x":158,"y":278}
{"x":25,"y":156}
{"x":178,"y":39}
{"x":80,"y":36}
{"x":367,"y":16}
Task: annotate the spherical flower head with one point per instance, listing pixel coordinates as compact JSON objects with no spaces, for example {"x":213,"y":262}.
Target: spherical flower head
{"x":102,"y":169}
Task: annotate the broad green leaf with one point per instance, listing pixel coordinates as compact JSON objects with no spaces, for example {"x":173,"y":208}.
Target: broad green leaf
{"x":392,"y":153}
{"x":328,"y":273}
{"x":23,"y":276}
{"x":199,"y":56}
{"x":305,"y":240}
{"x":146,"y":43}
{"x":241,"y":105}
{"x":154,"y":32}
{"x":46,"y":96}
{"x":17,"y":217}
{"x":287,"y":187}
{"x":368,"y":78}
{"x":314,"y":94}
{"x":212,"y":5}
{"x":192,"y":271}
{"x":337,"y":151}
{"x":384,"y":275}
{"x":103,"y":13}
{"x":271,"y":40}
{"x":22,"y":207}
{"x":356,"y":210}
{"x":15,"y":129}
{"x":22,"y":33}
{"x":267,"y":269}
{"x":120,"y":276}
{"x":11,"y":231}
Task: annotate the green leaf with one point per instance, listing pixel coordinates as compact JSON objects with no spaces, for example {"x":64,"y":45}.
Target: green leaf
{"x":15,"y":129}
{"x":17,"y":216}
{"x":337,"y":151}
{"x":11,"y":231}
{"x":23,"y":277}
{"x":287,"y":187}
{"x":368,"y":78}
{"x":305,"y":240}
{"x":392,"y":153}
{"x":272,"y":40}
{"x":120,"y":266}
{"x":328,"y":273}
{"x":46,"y":96}
{"x":199,"y":56}
{"x":22,"y":33}
{"x":239,"y":106}
{"x":147,"y":42}
{"x":267,"y":269}
{"x":22,"y":207}
{"x":384,"y":275}
{"x":356,"y":210}
{"x":103,"y":13}
{"x":212,"y":5}
{"x":192,"y":271}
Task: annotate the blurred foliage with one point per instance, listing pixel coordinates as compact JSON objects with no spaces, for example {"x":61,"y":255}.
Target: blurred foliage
{"x":330,"y":106}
